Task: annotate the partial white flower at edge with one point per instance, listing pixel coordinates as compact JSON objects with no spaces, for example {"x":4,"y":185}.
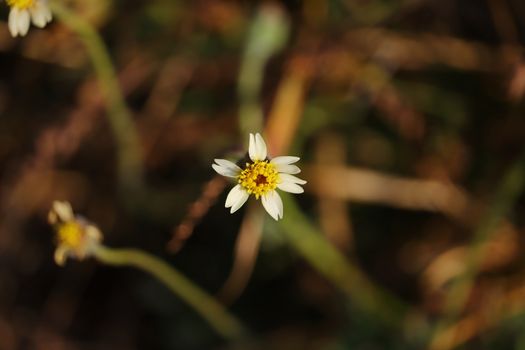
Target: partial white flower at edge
{"x":261,"y":177}
{"x":76,"y":237}
{"x":23,"y":12}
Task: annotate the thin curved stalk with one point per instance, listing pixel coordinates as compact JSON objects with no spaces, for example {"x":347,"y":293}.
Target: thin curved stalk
{"x":213,"y":312}
{"x":128,"y":148}
{"x":333,"y":265}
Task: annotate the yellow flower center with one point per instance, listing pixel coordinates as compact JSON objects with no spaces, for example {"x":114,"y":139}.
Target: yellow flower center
{"x":70,"y":234}
{"x":21,"y":4}
{"x":259,"y":178}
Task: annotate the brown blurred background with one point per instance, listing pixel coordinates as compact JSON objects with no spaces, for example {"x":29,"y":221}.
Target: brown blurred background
{"x":409,"y":119}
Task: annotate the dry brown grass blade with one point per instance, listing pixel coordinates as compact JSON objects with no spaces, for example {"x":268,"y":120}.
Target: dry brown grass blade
{"x":503,"y":21}
{"x":246,"y":249}
{"x":334,"y":216}
{"x":502,"y":306}
{"x":503,"y":248}
{"x":417,"y":51}
{"x":286,"y":112}
{"x":211,"y":191}
{"x":368,"y":77}
{"x":368,"y":186}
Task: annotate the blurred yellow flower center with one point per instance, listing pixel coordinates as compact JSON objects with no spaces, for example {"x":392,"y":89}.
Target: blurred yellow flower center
{"x":21,"y":4}
{"x":70,"y":234}
{"x":258,"y":178}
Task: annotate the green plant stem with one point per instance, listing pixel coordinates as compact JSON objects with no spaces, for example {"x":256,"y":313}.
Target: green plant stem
{"x":333,"y":265}
{"x":213,"y":312}
{"x":129,"y":154}
{"x":267,"y":36}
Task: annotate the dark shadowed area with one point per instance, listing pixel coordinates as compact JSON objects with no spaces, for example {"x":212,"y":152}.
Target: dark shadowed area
{"x":409,"y":119}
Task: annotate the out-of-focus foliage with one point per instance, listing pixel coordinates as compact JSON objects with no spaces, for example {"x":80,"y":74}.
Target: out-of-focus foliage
{"x":408,"y":117}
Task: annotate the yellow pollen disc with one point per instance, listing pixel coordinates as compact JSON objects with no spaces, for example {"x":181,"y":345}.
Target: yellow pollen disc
{"x":259,"y":178}
{"x":21,"y":4}
{"x":70,"y":234}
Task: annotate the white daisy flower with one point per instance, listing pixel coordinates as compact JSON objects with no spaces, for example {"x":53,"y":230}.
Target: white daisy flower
{"x":23,"y":12}
{"x":261,"y":177}
{"x":75,"y":236}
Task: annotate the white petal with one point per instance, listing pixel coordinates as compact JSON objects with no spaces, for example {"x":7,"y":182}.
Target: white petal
{"x":290,"y":187}
{"x":38,"y":19}
{"x":260,"y":147}
{"x":270,"y":207}
{"x":63,"y":210}
{"x":233,"y":195}
{"x":257,"y":147}
{"x":49,"y":15}
{"x":227,"y":164}
{"x":18,"y":22}
{"x":273,"y":204}
{"x":11,"y":22}
{"x":291,"y":178}
{"x":47,"y":11}
{"x":22,"y":22}
{"x":240,"y":202}
{"x":40,"y":14}
{"x":93,"y":233}
{"x":61,"y":254}
{"x":236,"y":198}
{"x":226,"y":168}
{"x":222,"y":171}
{"x":284,"y":160}
{"x":279,"y":203}
{"x":251,"y":148}
{"x":287,"y":169}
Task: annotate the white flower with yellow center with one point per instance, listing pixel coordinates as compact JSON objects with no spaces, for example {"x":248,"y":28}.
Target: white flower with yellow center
{"x":261,"y":177}
{"x":23,"y":12}
{"x":75,"y":236}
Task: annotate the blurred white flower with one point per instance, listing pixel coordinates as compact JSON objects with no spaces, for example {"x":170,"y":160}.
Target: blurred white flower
{"x":75,"y":236}
{"x":261,"y":177}
{"x":23,"y":12}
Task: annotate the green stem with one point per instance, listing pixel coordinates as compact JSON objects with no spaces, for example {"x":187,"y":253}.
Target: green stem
{"x":217,"y":316}
{"x":129,"y":154}
{"x":267,"y":36}
{"x":333,"y":265}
